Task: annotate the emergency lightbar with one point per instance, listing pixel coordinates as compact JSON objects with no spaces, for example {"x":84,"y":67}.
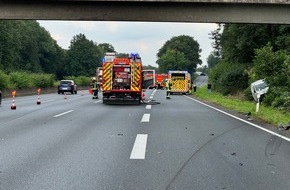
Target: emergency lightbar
{"x":134,"y":56}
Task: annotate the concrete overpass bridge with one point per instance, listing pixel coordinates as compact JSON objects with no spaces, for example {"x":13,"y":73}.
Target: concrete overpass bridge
{"x":201,"y":11}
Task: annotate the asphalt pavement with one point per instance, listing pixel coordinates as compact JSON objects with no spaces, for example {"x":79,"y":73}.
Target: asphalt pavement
{"x":178,"y":143}
{"x":201,"y":80}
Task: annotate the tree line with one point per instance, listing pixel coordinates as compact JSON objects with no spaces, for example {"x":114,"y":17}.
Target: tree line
{"x":244,"y":53}
{"x":26,"y":48}
{"x":28,"y":53}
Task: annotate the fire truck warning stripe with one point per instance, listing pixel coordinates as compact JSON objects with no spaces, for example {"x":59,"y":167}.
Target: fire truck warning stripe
{"x":107,"y":76}
{"x":178,"y":85}
{"x":135,"y":89}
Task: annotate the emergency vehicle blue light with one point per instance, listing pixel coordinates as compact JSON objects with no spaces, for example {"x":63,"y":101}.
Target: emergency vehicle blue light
{"x":104,"y":60}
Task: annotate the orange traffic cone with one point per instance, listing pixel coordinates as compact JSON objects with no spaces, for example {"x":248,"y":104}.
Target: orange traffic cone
{"x":13,"y":106}
{"x":82,"y":94}
{"x":38,"y":100}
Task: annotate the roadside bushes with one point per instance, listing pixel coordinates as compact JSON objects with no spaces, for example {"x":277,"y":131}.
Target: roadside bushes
{"x":4,"y":80}
{"x":228,"y":78}
{"x":278,"y":97}
{"x":80,"y":80}
{"x":274,"y":66}
{"x":43,"y":80}
{"x":22,"y":80}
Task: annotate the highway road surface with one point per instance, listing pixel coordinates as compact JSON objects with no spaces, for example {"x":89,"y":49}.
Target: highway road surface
{"x":81,"y":144}
{"x":200,"y":81}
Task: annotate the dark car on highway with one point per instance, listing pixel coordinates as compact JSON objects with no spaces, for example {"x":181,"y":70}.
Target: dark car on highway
{"x":67,"y":86}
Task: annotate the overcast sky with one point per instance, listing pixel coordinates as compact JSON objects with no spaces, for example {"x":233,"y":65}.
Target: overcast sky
{"x":145,"y":38}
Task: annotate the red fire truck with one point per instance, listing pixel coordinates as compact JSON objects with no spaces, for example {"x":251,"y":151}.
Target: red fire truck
{"x":122,"y":80}
{"x":160,"y":81}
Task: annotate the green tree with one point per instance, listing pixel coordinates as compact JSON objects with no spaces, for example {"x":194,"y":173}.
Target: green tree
{"x":272,"y":66}
{"x":51,"y":55}
{"x":106,"y":47}
{"x":203,"y":69}
{"x":212,"y":60}
{"x":30,"y":50}
{"x":83,"y":57}
{"x":228,"y":78}
{"x":185,"y":45}
{"x":239,"y":41}
{"x":215,"y":36}
{"x":149,"y":67}
{"x":123,"y":55}
{"x":27,"y":46}
{"x":172,"y":60}
{"x":8,"y":46}
{"x":262,"y":49}
{"x":283,"y":38}
{"x":4,"y":80}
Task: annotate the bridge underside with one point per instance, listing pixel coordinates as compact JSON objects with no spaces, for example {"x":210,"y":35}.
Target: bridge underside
{"x":147,"y":11}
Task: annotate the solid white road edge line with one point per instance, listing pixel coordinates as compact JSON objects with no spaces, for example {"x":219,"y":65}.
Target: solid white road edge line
{"x":139,"y":148}
{"x":145,"y":118}
{"x":254,"y":125}
{"x":63,"y":113}
{"x":148,"y":107}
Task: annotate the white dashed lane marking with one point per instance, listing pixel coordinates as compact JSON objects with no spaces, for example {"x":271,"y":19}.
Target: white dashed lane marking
{"x":63,"y":113}
{"x":148,"y":107}
{"x":145,"y":118}
{"x":139,"y":148}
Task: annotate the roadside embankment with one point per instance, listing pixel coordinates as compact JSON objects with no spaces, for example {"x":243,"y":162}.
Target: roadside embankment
{"x":268,"y":114}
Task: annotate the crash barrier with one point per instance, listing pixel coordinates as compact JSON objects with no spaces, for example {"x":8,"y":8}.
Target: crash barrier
{"x":6,"y":93}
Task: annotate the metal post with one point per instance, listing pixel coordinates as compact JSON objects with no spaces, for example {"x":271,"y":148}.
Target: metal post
{"x":257,"y":106}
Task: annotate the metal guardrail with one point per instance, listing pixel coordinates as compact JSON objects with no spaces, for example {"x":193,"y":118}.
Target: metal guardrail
{"x":6,"y":93}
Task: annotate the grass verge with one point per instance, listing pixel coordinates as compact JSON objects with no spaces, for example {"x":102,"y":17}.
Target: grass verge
{"x":267,"y":114}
